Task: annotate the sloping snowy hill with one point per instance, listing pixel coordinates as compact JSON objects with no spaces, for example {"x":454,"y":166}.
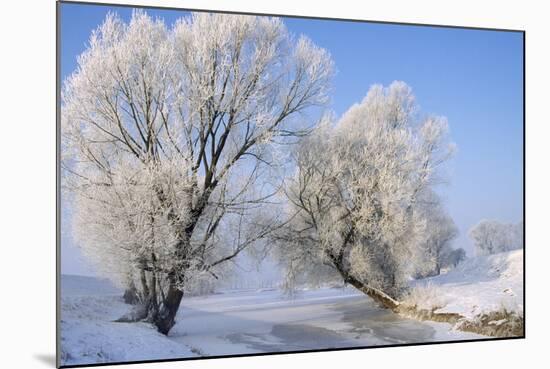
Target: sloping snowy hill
{"x":477,"y":286}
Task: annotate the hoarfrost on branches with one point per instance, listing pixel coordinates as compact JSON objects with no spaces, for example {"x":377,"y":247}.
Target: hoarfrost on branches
{"x":361,"y":197}
{"x":167,"y":144}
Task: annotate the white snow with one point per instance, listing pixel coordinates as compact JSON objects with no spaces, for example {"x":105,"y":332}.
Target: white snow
{"x":234,"y":322}
{"x":478,"y":285}
{"x":89,"y":335}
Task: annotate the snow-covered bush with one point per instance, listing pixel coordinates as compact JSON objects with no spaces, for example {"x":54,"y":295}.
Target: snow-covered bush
{"x":426,"y":296}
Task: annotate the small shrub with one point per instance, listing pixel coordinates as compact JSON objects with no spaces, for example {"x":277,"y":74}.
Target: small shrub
{"x":425,"y":296}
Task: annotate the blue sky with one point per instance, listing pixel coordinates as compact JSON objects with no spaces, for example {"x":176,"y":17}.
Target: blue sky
{"x":473,"y":77}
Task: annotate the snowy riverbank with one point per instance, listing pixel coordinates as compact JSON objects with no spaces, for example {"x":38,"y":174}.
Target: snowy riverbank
{"x":479,"y":291}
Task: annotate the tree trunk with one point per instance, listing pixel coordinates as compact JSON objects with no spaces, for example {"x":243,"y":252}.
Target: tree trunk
{"x":380,"y":297}
{"x":131,"y":295}
{"x":146,"y":309}
{"x":152,"y":303}
{"x":144,"y":286}
{"x":377,"y":295}
{"x":166,"y":317}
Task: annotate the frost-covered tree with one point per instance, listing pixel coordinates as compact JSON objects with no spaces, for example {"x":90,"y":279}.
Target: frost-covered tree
{"x":166,"y":144}
{"x":491,"y":237}
{"x":450,"y":258}
{"x":358,"y":197}
{"x":438,"y":230}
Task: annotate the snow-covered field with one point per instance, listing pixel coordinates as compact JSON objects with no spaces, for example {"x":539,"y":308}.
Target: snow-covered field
{"x":89,"y":335}
{"x":234,"y":322}
{"x":478,"y":285}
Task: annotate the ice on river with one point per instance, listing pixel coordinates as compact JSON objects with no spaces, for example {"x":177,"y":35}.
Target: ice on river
{"x":268,"y":321}
{"x":233,"y":322}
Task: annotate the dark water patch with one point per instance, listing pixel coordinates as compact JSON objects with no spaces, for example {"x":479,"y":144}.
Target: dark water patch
{"x":259,"y":342}
{"x":291,"y":337}
{"x":307,"y":335}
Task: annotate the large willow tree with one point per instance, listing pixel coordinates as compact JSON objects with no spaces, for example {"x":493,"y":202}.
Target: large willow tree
{"x":362,"y":199}
{"x":166,"y":134}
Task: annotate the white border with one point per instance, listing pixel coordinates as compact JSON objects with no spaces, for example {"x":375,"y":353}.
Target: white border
{"x":27,"y":193}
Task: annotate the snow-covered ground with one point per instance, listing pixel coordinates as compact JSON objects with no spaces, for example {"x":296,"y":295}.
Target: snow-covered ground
{"x":89,"y":335}
{"x":234,"y":322}
{"x":478,"y":285}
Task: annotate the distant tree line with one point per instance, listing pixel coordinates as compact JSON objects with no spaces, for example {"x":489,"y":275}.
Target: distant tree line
{"x":492,"y":237}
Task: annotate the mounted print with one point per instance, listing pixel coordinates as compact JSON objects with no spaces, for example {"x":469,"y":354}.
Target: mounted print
{"x":239,"y":184}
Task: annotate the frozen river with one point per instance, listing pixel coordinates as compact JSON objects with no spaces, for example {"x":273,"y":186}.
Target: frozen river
{"x":268,"y":321}
{"x":231,"y":323}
